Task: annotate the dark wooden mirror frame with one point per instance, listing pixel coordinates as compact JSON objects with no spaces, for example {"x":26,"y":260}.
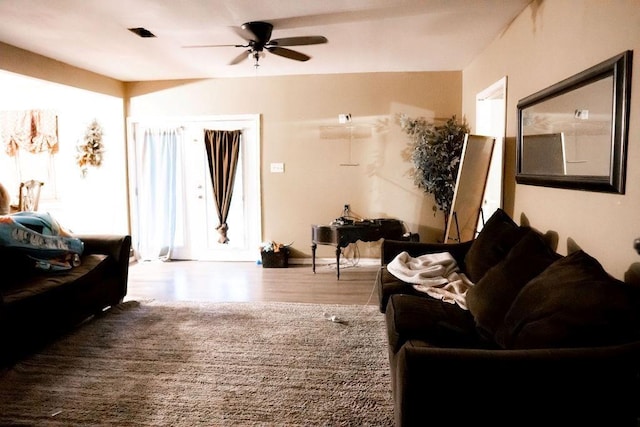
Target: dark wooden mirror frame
{"x":619,"y":67}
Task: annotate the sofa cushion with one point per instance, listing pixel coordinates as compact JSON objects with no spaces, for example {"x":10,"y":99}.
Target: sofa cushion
{"x":490,"y":298}
{"x":439,"y":323}
{"x":494,"y":241}
{"x":13,"y":260}
{"x":388,"y":285}
{"x":92,"y":268}
{"x":573,"y":303}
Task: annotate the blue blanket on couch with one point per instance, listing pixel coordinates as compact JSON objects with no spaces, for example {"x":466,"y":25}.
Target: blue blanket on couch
{"x":40,"y":237}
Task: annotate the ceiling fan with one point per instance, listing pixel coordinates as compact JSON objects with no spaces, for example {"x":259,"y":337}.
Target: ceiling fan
{"x":258,"y":37}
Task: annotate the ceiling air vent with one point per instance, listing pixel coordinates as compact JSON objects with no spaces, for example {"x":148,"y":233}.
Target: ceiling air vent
{"x":142,"y":32}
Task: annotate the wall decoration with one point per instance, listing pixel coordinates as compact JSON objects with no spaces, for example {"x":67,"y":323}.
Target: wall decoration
{"x":91,"y":149}
{"x":574,"y":134}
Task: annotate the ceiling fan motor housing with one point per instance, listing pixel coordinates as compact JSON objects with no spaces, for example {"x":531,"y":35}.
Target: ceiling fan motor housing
{"x":261,"y":32}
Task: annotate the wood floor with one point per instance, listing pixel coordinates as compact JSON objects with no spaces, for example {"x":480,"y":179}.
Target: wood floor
{"x":246,"y":281}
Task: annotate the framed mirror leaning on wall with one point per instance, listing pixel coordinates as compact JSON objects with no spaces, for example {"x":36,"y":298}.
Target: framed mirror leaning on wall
{"x":574,"y":134}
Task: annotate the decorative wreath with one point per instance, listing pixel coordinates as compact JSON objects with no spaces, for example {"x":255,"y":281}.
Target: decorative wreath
{"x":89,"y":152}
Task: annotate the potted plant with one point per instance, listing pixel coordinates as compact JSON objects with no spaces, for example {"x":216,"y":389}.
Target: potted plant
{"x":435,"y":151}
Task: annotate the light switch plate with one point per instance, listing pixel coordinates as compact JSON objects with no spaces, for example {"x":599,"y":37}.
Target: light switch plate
{"x":277,"y":167}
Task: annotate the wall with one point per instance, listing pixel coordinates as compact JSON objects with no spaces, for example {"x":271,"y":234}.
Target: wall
{"x":548,"y":42}
{"x":299,"y":119}
{"x":98,"y":202}
{"x":296,"y":113}
{"x":26,"y":63}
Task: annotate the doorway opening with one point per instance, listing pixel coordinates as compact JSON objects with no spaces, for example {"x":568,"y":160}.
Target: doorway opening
{"x":196,"y":237}
{"x":491,"y":121}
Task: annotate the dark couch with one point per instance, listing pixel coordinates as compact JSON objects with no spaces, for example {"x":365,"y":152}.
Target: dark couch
{"x":36,"y":306}
{"x":546,"y":339}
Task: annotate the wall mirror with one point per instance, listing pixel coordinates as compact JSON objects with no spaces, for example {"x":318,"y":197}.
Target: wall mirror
{"x":574,"y":134}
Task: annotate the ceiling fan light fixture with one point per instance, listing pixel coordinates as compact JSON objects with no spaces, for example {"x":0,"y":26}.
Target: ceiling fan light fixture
{"x":256,"y":54}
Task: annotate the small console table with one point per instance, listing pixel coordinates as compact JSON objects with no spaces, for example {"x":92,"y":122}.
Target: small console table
{"x":341,"y":236}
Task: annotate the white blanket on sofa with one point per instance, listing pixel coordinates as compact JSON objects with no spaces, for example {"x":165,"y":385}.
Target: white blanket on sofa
{"x":436,"y":274}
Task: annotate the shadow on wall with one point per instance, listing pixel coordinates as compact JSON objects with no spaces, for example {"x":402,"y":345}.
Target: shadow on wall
{"x":550,"y":236}
{"x":632,"y":275}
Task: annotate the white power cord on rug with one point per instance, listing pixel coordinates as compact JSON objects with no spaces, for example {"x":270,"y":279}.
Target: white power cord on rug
{"x":336,"y":319}
{"x":373,"y":288}
{"x":333,"y":318}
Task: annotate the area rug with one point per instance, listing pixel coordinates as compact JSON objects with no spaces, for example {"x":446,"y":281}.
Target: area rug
{"x":208,"y":364}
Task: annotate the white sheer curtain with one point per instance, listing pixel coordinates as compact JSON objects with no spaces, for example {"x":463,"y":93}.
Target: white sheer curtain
{"x":159,"y":183}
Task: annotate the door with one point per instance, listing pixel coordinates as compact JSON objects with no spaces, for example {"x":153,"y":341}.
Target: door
{"x":196,"y":218}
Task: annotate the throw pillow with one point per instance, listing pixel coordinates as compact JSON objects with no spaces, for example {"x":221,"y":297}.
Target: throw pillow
{"x":490,"y":298}
{"x":494,"y":241}
{"x":573,"y":303}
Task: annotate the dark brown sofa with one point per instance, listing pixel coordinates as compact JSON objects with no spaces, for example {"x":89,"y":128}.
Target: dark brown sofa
{"x":36,"y":306}
{"x":546,"y":340}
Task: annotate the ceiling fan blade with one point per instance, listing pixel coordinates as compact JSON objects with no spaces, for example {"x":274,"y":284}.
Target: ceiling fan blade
{"x":238,"y":59}
{"x":298,"y":41}
{"x":288,"y":53}
{"x":213,"y":45}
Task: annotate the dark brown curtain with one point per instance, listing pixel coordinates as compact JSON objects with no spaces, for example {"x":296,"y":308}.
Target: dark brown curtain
{"x":223,"y":149}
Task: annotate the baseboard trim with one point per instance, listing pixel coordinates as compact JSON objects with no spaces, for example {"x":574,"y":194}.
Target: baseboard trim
{"x":329,"y":261}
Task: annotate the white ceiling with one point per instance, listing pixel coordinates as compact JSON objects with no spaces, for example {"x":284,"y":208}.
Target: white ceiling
{"x":364,"y":35}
